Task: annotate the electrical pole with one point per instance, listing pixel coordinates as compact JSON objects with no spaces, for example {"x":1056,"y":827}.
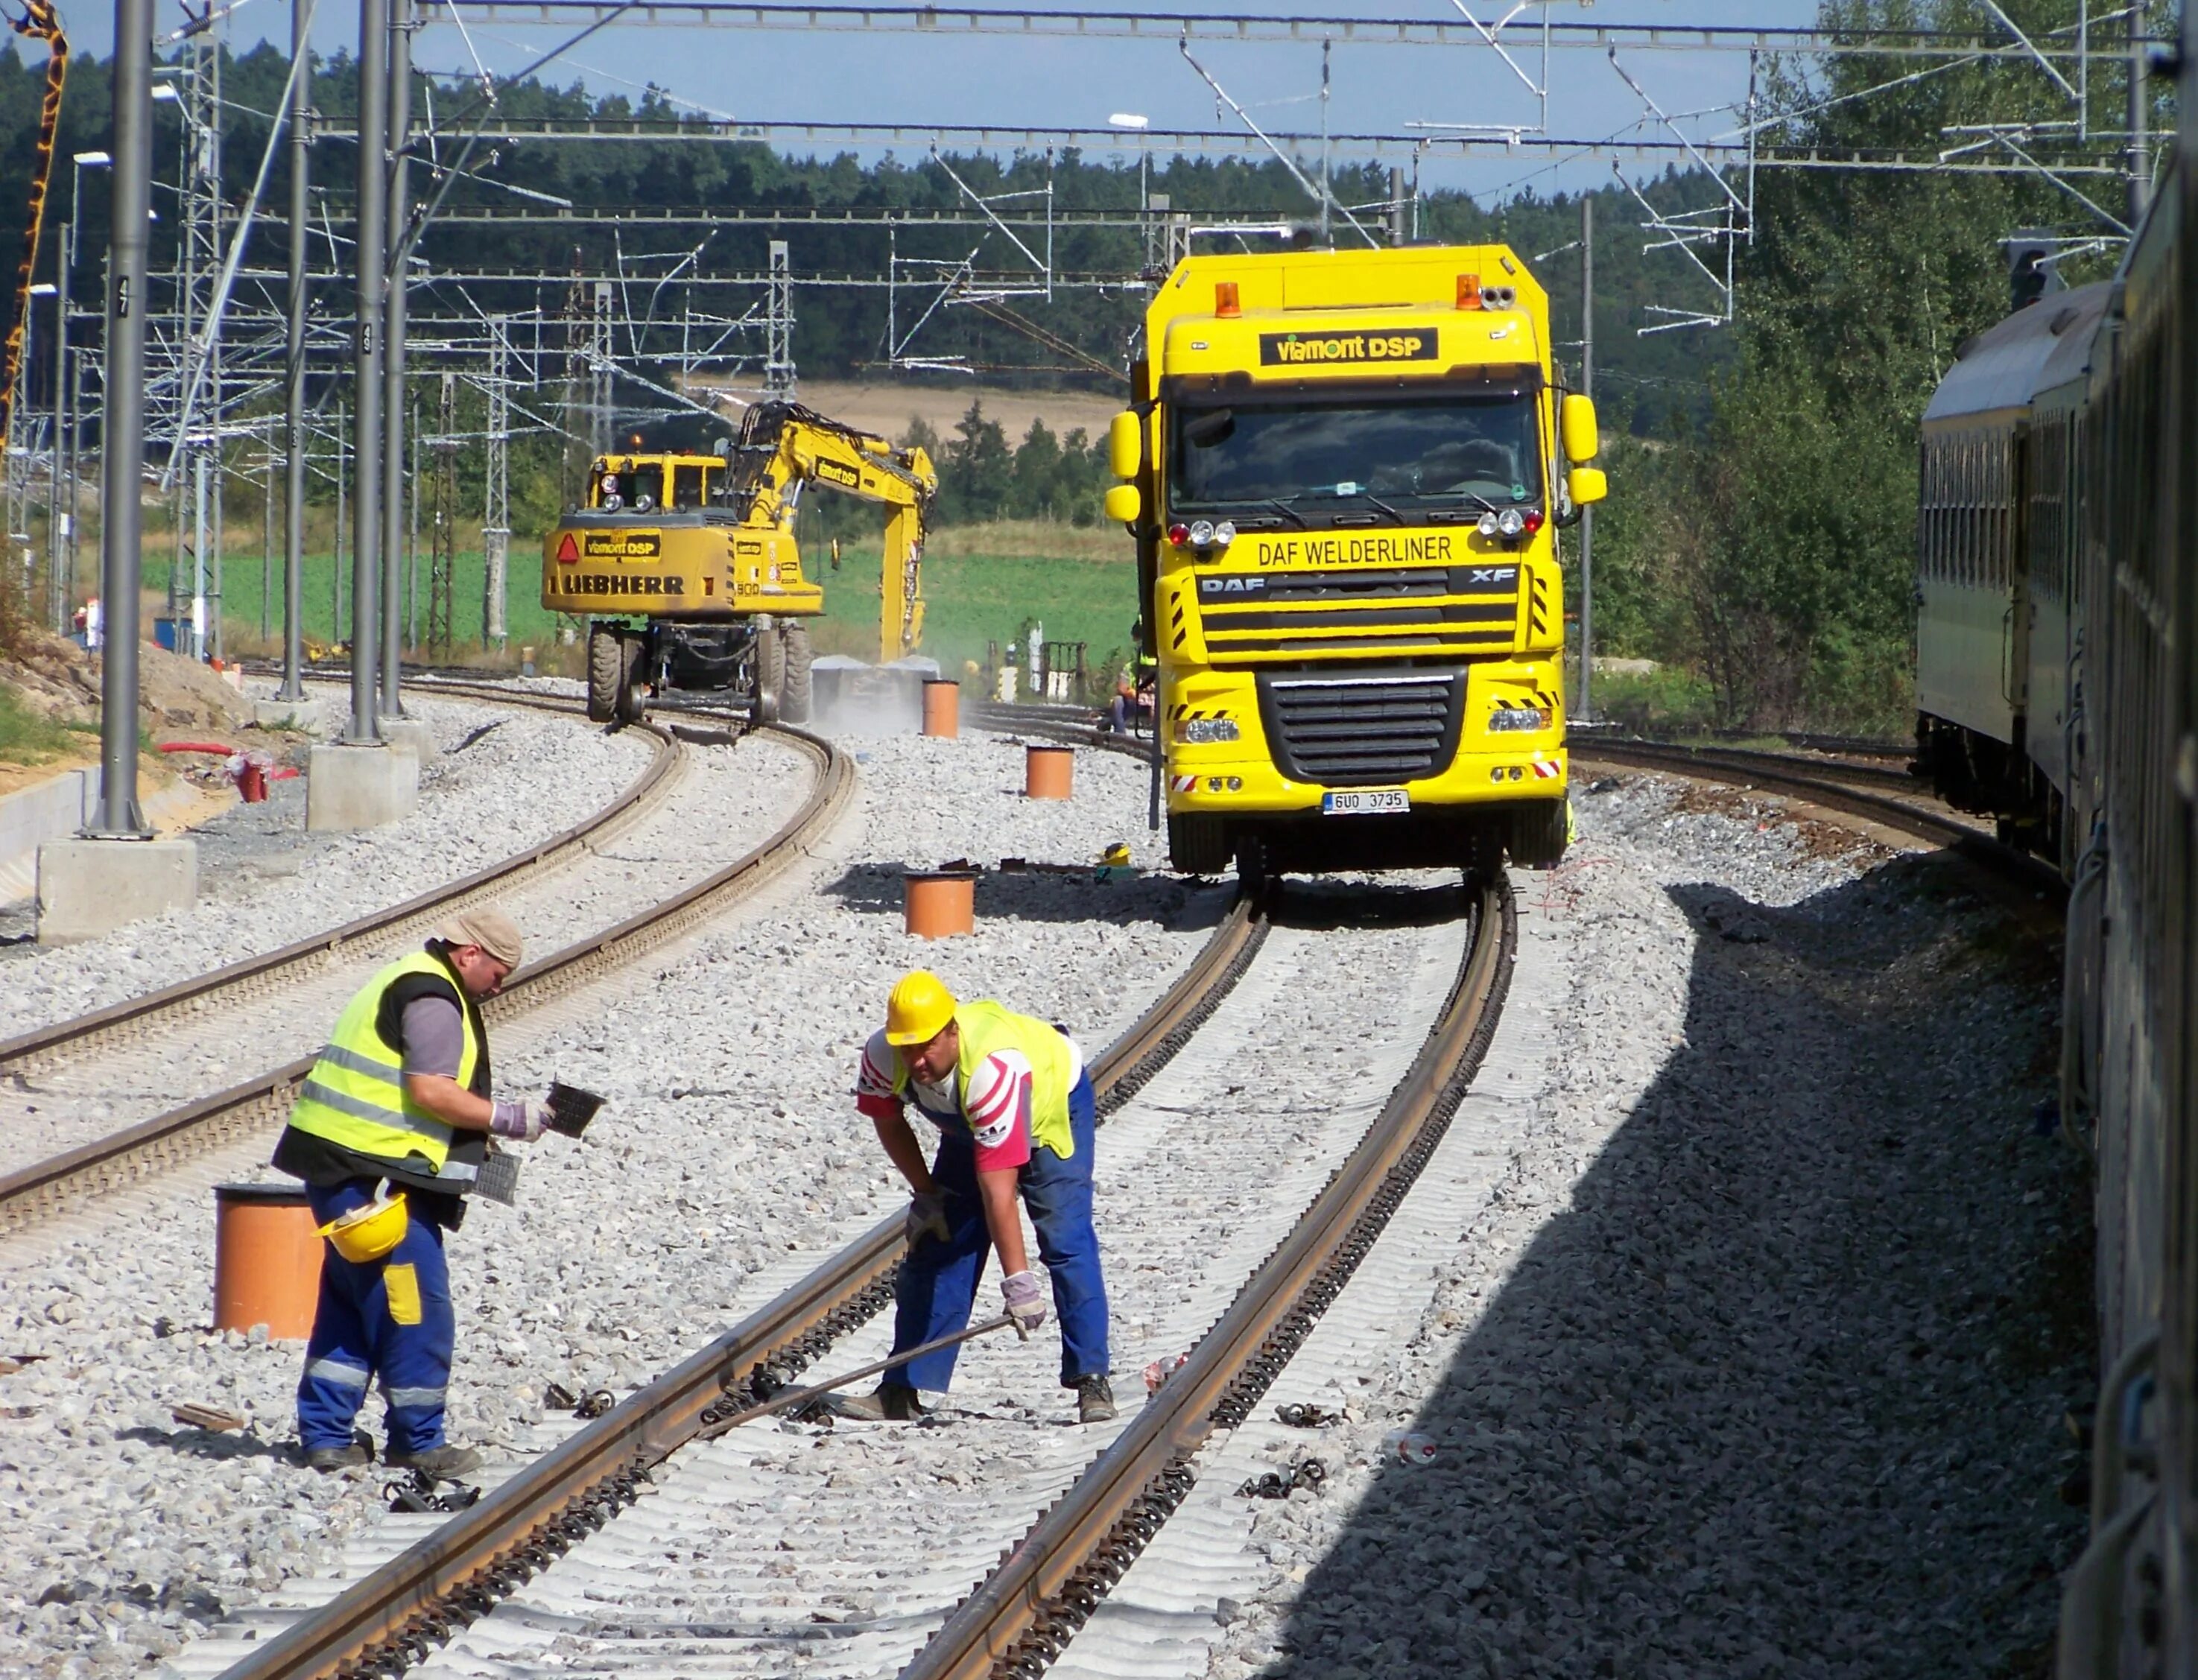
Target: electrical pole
{"x":294,"y":385}
{"x":61,"y":509}
{"x":372,"y":234}
{"x":1584,"y":710}
{"x":2140,"y":159}
{"x":122,"y":453}
{"x":394,"y":477}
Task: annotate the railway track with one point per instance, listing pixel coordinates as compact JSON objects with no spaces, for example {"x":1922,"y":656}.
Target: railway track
{"x":136,"y":1018}
{"x":392,"y":1619}
{"x":42,"y":1189}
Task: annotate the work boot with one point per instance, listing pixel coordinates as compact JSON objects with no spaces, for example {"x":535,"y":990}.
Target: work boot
{"x":892,"y":1402}
{"x":328,"y":1460}
{"x":1095,"y":1400}
{"x":443,"y":1461}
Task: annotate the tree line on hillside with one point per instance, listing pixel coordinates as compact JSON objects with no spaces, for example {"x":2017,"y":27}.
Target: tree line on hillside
{"x":1766,"y":543}
{"x":840,"y":330}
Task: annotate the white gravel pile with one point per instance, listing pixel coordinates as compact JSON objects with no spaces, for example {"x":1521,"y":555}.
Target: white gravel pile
{"x":505,"y":780}
{"x":726,"y":801}
{"x":1753,"y":1358}
{"x":729,"y":1141}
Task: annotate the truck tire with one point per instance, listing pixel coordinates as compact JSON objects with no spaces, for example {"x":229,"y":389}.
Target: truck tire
{"x":633,"y":702}
{"x":769,"y":665}
{"x":1539,"y":834}
{"x":794,"y":694}
{"x":1197,"y":845}
{"x":606,"y":669}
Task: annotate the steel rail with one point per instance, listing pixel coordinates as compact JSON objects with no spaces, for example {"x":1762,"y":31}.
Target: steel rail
{"x":43,"y":1046}
{"x":1046,"y":1587}
{"x":48,"y":1186}
{"x":1792,"y":778}
{"x":390,"y":1619}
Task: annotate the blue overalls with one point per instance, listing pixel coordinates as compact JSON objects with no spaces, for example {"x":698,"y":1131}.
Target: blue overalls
{"x":390,"y":1317}
{"x":938,"y":1281}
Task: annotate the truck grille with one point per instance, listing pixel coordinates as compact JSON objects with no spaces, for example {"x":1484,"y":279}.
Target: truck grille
{"x":1419,"y":610}
{"x":1358,"y":731}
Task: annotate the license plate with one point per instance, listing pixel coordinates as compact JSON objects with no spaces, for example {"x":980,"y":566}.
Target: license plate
{"x":1364,"y":801}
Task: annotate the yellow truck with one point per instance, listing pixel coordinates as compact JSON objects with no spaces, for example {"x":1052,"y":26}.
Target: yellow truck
{"x":1346,"y":471}
{"x":687,"y":566}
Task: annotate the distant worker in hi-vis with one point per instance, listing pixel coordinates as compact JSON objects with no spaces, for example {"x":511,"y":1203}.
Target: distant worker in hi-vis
{"x":1015,"y":1118}
{"x":389,"y":1133}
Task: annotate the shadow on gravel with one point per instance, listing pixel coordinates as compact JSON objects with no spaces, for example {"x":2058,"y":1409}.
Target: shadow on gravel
{"x":1051,"y":896}
{"x":1781,"y":1392}
{"x":220,"y":1445}
{"x":1321,"y":904}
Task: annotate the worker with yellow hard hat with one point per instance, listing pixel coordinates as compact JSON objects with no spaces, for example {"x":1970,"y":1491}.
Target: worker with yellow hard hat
{"x":390,"y":1132}
{"x":1016,"y":1120}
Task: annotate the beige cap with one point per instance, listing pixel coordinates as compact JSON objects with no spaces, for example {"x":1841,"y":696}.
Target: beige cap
{"x":488,"y":927}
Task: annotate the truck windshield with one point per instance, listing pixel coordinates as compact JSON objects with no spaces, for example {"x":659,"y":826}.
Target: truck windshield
{"x":1478,"y":450}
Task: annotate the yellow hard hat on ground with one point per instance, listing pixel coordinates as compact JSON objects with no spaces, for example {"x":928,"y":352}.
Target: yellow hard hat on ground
{"x":920,"y":1007}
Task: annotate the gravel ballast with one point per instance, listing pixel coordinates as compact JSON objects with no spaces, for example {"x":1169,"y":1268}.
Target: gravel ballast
{"x":1753,"y":1356}
{"x":505,"y":780}
{"x":729,"y":1145}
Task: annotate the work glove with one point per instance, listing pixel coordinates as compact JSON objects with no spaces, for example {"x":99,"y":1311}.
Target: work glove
{"x":1026,"y":1298}
{"x":523,"y":1121}
{"x":927,"y":1216}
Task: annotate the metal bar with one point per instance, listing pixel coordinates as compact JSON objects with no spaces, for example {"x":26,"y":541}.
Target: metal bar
{"x":122,"y":453}
{"x":394,"y":479}
{"x":293,"y":382}
{"x":1585,"y":709}
{"x":1237,"y":27}
{"x":372,"y":234}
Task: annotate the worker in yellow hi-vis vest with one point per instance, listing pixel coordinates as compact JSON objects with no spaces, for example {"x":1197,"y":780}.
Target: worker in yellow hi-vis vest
{"x":389,"y":1133}
{"x":1015,"y":1118}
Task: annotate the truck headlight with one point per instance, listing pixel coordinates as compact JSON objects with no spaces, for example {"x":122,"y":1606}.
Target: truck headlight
{"x":1201,"y":533}
{"x":1510,"y":522}
{"x":1205,"y":731}
{"x":1517,"y":718}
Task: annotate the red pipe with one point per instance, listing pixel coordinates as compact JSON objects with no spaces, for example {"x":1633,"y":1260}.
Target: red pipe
{"x":197,"y":746}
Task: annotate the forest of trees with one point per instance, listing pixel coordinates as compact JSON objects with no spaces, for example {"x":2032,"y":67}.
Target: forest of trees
{"x":1757,"y":542}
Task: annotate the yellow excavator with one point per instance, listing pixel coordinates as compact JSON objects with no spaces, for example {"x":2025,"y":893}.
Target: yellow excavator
{"x":687,"y":563}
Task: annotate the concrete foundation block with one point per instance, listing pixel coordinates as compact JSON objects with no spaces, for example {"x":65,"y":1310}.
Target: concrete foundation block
{"x":304,"y":715}
{"x":87,"y":887}
{"x":349,"y":787}
{"x":409,"y":734}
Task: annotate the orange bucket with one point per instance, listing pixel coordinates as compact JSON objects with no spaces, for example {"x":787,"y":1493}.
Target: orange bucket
{"x":942,"y":708}
{"x":1049,"y":772}
{"x":267,"y":1260}
{"x":941,"y":904}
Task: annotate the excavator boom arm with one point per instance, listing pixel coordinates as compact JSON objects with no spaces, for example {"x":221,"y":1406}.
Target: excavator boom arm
{"x":40,"y":21}
{"x":784,"y":446}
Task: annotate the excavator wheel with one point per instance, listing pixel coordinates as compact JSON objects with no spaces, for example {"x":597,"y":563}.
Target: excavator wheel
{"x":793,"y":690}
{"x":606,"y":672}
{"x":632,"y":701}
{"x":769,"y":664}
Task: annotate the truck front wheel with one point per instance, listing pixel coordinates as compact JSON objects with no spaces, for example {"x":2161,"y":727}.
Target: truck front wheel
{"x":1539,"y":834}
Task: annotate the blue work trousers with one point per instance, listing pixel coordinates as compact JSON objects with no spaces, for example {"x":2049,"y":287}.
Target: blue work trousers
{"x":938,"y":1281}
{"x":389,"y":1319}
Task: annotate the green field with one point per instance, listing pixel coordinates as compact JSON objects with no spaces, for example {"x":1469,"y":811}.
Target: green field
{"x":981,"y":584}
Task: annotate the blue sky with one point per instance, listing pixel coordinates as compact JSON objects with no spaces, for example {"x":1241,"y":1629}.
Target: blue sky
{"x":920,"y":79}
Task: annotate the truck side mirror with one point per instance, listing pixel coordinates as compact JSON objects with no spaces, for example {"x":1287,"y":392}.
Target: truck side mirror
{"x":1125,"y":501}
{"x":1582,"y":439}
{"x":1125,"y":446}
{"x":1586,"y":484}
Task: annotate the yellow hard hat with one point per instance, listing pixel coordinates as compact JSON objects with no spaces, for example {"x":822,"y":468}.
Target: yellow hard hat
{"x":920,"y":1007}
{"x":369,"y":1232}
